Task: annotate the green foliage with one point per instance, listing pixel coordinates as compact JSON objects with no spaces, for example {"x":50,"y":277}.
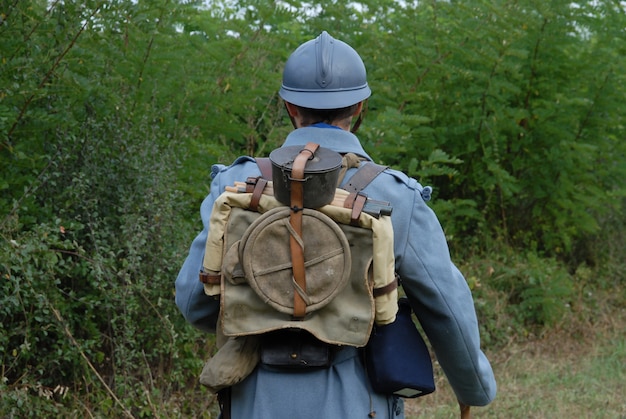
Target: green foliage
{"x":539,"y":290}
{"x":521,"y":294}
{"x":91,"y":231}
{"x":112,"y":113}
{"x":527,"y":96}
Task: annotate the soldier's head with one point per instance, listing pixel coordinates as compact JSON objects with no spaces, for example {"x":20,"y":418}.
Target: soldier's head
{"x":324,"y":80}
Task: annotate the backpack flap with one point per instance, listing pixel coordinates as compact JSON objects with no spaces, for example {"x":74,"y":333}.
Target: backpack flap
{"x":216,"y":243}
{"x":340,"y":303}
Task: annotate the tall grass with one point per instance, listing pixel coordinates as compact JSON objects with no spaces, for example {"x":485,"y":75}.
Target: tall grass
{"x":577,"y":372}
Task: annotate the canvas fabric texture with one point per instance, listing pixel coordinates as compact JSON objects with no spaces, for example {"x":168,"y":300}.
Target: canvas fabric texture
{"x":345,"y":319}
{"x":235,"y":360}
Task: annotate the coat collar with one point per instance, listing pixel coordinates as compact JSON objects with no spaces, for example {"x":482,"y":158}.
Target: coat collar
{"x":337,"y":140}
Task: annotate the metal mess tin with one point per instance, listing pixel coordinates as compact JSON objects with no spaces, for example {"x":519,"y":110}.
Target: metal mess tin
{"x":320,"y":175}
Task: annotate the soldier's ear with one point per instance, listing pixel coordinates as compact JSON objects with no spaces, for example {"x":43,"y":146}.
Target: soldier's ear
{"x":292,"y":109}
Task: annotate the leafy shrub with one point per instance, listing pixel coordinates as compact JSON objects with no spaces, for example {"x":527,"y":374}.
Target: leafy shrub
{"x":88,"y":298}
{"x":111,"y":114}
{"x":524,"y":100}
{"x":519,"y":294}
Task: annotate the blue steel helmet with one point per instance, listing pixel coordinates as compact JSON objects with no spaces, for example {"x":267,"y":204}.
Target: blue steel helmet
{"x":324,"y":73}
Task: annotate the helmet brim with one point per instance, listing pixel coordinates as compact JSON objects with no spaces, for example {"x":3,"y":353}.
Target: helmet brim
{"x":325,"y":99}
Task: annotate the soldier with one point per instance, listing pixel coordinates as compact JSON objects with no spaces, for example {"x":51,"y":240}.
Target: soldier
{"x":324,"y":88}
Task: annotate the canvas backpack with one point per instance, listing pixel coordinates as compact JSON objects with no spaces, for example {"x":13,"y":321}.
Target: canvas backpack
{"x":350,"y":280}
{"x":350,"y":268}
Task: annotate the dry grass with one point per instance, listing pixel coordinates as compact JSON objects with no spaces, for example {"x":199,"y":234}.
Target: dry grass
{"x":577,"y":372}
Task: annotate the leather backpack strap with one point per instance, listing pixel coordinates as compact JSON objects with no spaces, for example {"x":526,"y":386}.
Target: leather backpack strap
{"x":296,"y":244}
{"x":364,"y":175}
{"x":265,"y":166}
{"x":377,"y":292}
{"x":256,"y":186}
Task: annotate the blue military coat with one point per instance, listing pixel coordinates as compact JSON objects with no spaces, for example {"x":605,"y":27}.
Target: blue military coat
{"x":437,"y":290}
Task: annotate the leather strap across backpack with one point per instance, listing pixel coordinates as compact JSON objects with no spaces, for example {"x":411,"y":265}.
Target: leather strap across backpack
{"x":366,"y":173}
{"x":295,"y":219}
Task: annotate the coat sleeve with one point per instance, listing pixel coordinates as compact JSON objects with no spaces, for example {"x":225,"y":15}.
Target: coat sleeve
{"x":199,"y":309}
{"x":443,"y":304}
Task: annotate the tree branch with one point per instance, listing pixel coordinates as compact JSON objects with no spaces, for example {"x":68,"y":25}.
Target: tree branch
{"x":54,"y":66}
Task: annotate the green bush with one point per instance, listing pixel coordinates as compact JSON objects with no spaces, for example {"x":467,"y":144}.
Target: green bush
{"x":87,"y":300}
{"x":112,"y":113}
{"x":525,"y":101}
{"x":518,"y":295}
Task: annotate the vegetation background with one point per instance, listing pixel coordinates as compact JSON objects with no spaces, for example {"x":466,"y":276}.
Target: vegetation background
{"x":112,"y":113}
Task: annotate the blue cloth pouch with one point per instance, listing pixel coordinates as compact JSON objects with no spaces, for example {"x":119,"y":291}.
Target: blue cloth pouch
{"x":397,"y":359}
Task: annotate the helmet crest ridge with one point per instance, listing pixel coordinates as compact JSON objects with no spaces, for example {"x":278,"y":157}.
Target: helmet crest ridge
{"x":324,"y":49}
